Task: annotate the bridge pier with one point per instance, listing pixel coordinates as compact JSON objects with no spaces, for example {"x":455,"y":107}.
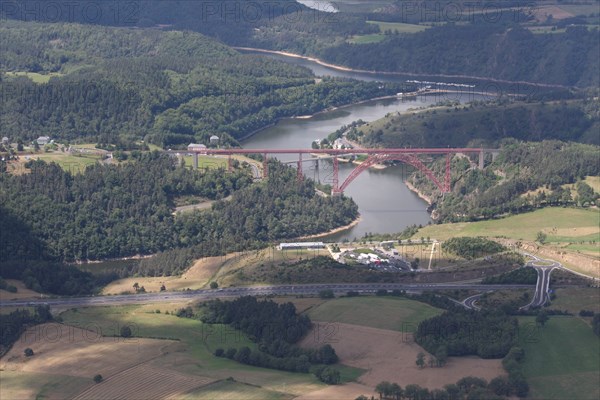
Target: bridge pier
{"x":300,"y":174}
{"x":265,"y":166}
{"x":335,"y":191}
{"x":195,"y":160}
{"x":481,"y":159}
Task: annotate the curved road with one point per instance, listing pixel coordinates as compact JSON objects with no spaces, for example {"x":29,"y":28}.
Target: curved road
{"x":204,"y":294}
{"x":470,"y":302}
{"x":543,"y":268}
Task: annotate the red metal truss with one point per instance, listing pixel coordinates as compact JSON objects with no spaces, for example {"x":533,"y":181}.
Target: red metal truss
{"x":409,"y":159}
{"x":405,"y":155}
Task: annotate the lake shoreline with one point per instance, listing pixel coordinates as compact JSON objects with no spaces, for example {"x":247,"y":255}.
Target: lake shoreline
{"x":331,"y":231}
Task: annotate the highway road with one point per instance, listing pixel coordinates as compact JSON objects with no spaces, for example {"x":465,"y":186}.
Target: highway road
{"x":204,"y":294}
{"x":544,"y":268}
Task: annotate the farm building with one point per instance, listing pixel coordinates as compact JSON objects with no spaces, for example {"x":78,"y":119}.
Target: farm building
{"x":214,"y":139}
{"x":301,"y":245}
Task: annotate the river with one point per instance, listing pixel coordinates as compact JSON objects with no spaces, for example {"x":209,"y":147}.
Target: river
{"x":385,"y":204}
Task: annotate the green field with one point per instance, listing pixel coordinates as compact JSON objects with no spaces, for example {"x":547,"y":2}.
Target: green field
{"x":522,"y":226}
{"x":230,"y":390}
{"x":562,"y":359}
{"x":398,"y":26}
{"x":390,"y":313}
{"x":206,"y":162}
{"x":68,"y":162}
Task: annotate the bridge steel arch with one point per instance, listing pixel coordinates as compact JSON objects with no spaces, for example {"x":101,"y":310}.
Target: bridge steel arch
{"x":410,"y":159}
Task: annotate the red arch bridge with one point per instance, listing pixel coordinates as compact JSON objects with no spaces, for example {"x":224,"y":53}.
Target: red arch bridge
{"x":411,"y":156}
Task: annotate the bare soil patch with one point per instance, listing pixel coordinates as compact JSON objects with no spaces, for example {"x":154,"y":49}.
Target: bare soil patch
{"x":390,"y":356}
{"x":541,"y":14}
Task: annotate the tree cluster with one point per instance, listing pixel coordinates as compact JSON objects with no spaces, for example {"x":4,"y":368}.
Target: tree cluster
{"x":274,"y":327}
{"x":524,"y":167}
{"x":472,"y":247}
{"x":470,"y":387}
{"x":525,"y":276}
{"x":488,"y":333}
{"x":515,"y":384}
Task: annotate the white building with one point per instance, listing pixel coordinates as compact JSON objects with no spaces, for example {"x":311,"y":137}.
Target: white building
{"x":196,"y":147}
{"x":214,"y":139}
{"x":301,"y":245}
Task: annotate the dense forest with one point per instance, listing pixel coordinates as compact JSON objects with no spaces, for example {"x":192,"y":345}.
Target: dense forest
{"x":113,"y":211}
{"x":501,"y":48}
{"x":109,"y":210}
{"x":486,"y":124}
{"x":169,"y":88}
{"x":487,"y":50}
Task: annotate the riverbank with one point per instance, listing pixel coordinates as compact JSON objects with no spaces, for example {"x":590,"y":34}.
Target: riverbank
{"x":421,"y":195}
{"x":332,"y":231}
{"x":414,"y":74}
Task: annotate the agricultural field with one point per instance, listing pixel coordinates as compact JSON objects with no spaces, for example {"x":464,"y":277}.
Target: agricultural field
{"x":390,"y":355}
{"x":391,"y":313}
{"x":66,"y":353}
{"x":195,"y":343}
{"x":562,"y":359}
